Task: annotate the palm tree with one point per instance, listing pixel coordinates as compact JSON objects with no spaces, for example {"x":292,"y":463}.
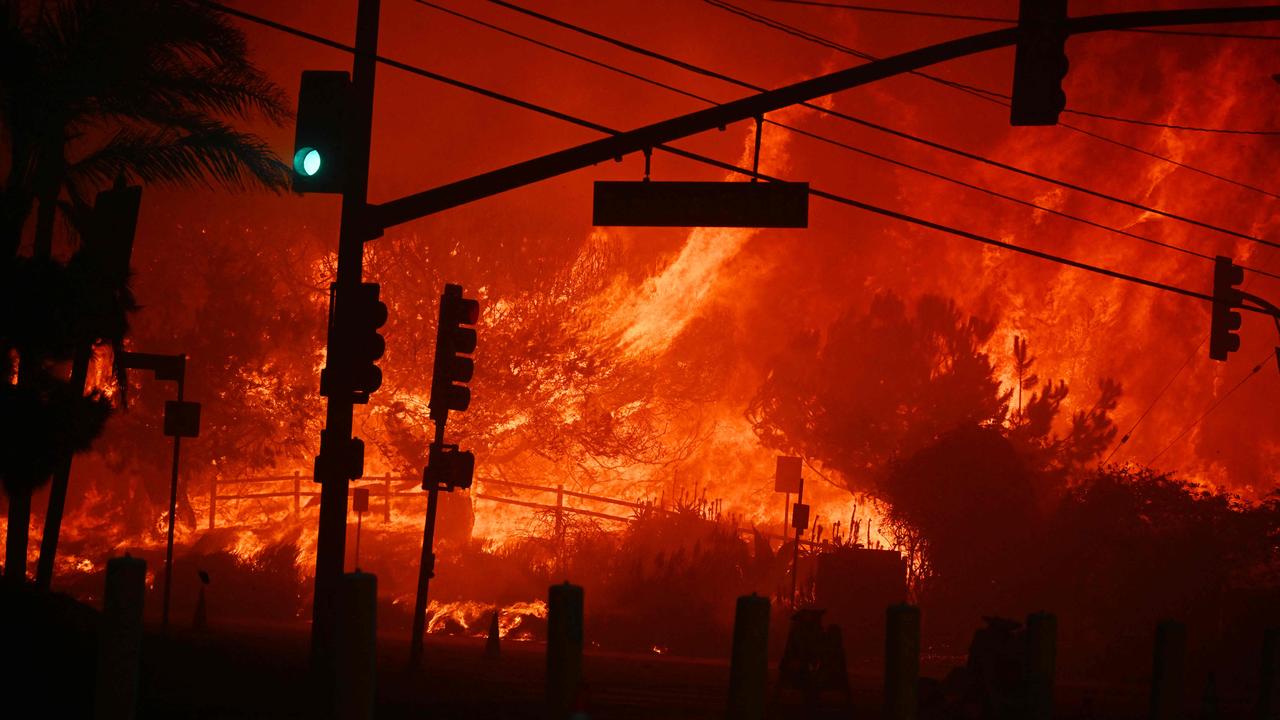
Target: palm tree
{"x":91,"y":92}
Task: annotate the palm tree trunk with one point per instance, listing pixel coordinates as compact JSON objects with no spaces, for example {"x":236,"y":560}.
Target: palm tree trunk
{"x":58,"y":490}
{"x":15,"y":548}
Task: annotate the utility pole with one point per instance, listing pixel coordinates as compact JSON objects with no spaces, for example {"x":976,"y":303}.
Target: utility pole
{"x":338,"y":450}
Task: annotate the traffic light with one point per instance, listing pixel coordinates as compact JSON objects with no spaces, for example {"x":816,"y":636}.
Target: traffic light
{"x":320,"y":134}
{"x":1040,"y":64}
{"x":453,"y":343}
{"x":448,"y":468}
{"x":1225,"y":321}
{"x":358,"y":314}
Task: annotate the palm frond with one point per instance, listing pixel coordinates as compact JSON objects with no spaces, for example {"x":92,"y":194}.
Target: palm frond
{"x":205,"y":151}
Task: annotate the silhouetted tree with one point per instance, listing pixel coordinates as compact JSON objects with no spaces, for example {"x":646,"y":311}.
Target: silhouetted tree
{"x":92,"y":91}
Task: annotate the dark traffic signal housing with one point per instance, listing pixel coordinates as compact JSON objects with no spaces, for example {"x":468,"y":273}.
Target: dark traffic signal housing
{"x":357,"y":316}
{"x":1225,"y":321}
{"x":1040,"y":65}
{"x":455,"y":341}
{"x":320,"y":138}
{"x":448,"y":468}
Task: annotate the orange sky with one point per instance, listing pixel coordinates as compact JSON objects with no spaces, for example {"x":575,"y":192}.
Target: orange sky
{"x":1081,"y":326}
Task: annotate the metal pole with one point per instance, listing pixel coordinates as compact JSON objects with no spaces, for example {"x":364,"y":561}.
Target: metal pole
{"x":213,"y":500}
{"x":426,"y":571}
{"x":795,"y":551}
{"x":173,"y":505}
{"x":353,"y":232}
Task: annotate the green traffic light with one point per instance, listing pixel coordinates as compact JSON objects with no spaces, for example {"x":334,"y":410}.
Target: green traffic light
{"x":307,"y":161}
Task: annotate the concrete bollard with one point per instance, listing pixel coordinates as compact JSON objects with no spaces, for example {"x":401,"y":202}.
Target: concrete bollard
{"x":564,"y":648}
{"x":120,"y":639}
{"x":1166,"y":670}
{"x":901,"y":661}
{"x":355,"y":643}
{"x":493,"y":645}
{"x":749,"y":664}
{"x":1269,"y":680}
{"x":1042,"y":650}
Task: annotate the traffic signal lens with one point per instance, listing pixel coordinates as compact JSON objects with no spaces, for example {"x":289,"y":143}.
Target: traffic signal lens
{"x":307,"y":161}
{"x":470,"y":311}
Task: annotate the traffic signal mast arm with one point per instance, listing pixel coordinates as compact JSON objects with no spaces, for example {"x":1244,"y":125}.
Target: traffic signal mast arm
{"x":461,"y":192}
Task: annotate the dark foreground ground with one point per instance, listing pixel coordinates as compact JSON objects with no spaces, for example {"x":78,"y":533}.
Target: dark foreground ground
{"x":260,"y":672}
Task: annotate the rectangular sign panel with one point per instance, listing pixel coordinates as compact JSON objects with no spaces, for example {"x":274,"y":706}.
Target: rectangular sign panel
{"x":787,"y":477}
{"x":649,"y":203}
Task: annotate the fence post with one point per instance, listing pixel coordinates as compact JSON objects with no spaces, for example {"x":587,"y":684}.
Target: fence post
{"x":1042,"y":646}
{"x":901,"y":661}
{"x":749,"y":663}
{"x":1269,"y":682}
{"x":120,"y":639}
{"x":564,"y":648}
{"x":386,"y":488}
{"x":1166,"y":670}
{"x":297,"y":494}
{"x":213,"y":500}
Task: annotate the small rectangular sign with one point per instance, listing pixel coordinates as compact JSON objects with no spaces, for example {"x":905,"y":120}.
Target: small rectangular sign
{"x":800,"y":516}
{"x":787,"y":477}
{"x":360,"y":500}
{"x":649,"y":203}
{"x":182,"y":418}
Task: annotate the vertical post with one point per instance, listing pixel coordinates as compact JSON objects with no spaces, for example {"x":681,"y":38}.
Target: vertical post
{"x":786,"y":517}
{"x":1042,"y":646}
{"x":795,"y":550}
{"x":564,"y":648}
{"x":749,"y":664}
{"x":1269,"y":682}
{"x":354,"y":230}
{"x":426,"y":571}
{"x":356,"y":637}
{"x":297,"y":494}
{"x":386,"y":489}
{"x":120,"y":639}
{"x":58,"y":488}
{"x":173,"y":508}
{"x":213,"y":500}
{"x":560,"y":529}
{"x":901,"y":661}
{"x":1166,"y":671}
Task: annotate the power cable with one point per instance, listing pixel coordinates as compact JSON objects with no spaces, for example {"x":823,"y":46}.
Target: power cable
{"x":901,"y":134}
{"x":1011,"y":21}
{"x":903,"y":217}
{"x":827,"y":140}
{"x":1256,"y":369}
{"x":989,"y":95}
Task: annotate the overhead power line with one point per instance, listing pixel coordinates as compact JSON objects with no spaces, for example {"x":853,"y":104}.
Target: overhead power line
{"x":1011,"y":21}
{"x":1256,"y":369}
{"x":986,"y":94}
{"x":828,"y":140}
{"x":893,"y":214}
{"x":891,"y":131}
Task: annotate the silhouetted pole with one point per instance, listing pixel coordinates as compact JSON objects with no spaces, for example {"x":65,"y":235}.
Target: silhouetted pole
{"x":58,"y":488}
{"x":1166,"y":670}
{"x":564,"y":648}
{"x":353,"y":231}
{"x":795,"y":550}
{"x":1042,"y":647}
{"x":1269,"y":679}
{"x":901,"y":661}
{"x":15,"y":548}
{"x":120,"y":639}
{"x":426,"y":569}
{"x":749,"y":663}
{"x":493,"y":644}
{"x":356,"y":647}
{"x":173,"y":506}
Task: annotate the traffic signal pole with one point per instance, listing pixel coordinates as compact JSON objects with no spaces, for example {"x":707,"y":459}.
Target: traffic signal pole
{"x":354,"y":230}
{"x":426,"y":566}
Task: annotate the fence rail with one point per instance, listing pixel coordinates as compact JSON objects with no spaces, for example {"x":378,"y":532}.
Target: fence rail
{"x":386,"y":492}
